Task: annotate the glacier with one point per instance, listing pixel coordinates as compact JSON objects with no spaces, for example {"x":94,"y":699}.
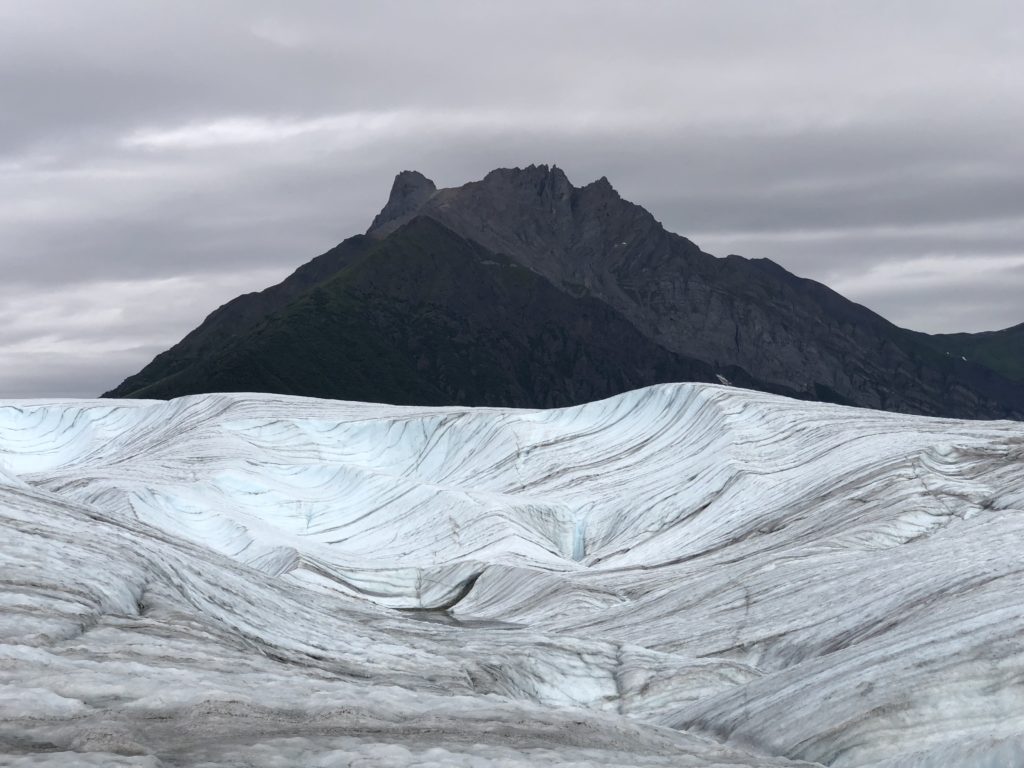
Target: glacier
{"x":685,"y":575}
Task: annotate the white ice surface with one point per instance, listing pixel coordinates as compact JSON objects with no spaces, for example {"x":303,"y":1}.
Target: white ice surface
{"x":682,"y":575}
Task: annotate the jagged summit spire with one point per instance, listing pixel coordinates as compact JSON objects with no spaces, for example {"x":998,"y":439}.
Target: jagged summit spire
{"x":413,"y":193}
{"x":410,"y":190}
{"x":532,"y":213}
{"x":531,"y":171}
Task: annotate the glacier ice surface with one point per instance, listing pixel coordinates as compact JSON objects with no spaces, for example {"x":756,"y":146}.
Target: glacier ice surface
{"x":682,"y":575}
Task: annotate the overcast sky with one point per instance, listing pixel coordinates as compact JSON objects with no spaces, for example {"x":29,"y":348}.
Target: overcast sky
{"x":159,"y":158}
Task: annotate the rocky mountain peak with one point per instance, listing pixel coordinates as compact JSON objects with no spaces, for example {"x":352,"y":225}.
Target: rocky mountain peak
{"x":603,"y":188}
{"x":547,"y":182}
{"x":572,"y":235}
{"x":410,"y":190}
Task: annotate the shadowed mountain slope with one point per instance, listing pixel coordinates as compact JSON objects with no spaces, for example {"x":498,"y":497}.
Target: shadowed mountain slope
{"x":424,"y":317}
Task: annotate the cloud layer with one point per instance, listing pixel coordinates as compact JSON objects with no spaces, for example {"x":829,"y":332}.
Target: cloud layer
{"x":158,"y":159}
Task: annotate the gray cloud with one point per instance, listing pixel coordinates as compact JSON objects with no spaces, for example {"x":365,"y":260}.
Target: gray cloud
{"x":150,"y":149}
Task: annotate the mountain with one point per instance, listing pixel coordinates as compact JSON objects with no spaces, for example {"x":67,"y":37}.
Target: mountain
{"x":1002,"y":351}
{"x":521,"y":289}
{"x":422,"y":317}
{"x":684,"y":575}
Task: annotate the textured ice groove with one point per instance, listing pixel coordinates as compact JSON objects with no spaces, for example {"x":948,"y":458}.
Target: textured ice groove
{"x":681,"y":575}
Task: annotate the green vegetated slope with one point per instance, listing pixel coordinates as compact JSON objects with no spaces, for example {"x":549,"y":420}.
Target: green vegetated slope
{"x":1001,"y":351}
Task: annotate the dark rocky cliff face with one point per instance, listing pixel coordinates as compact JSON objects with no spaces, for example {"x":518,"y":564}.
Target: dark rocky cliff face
{"x":682,"y":313}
